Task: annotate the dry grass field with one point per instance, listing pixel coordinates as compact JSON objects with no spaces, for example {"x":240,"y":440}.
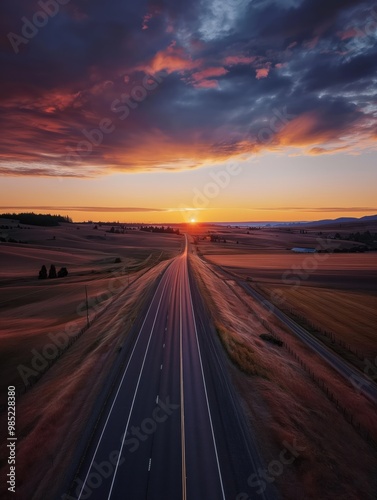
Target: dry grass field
{"x":37,"y":313}
{"x":335,"y":292}
{"x":350,"y":315}
{"x":32,"y":310}
{"x":53,"y":414}
{"x":284,"y":404}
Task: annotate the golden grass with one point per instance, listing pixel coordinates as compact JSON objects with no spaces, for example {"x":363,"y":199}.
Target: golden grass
{"x":285,"y":260}
{"x":32,"y":309}
{"x":351,"y":315}
{"x":240,"y":352}
{"x":52,"y":415}
{"x":284,"y":404}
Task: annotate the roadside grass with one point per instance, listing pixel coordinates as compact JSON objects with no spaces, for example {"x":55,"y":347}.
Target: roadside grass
{"x":52,"y":415}
{"x":350,"y":315}
{"x":240,"y":352}
{"x":283,"y":404}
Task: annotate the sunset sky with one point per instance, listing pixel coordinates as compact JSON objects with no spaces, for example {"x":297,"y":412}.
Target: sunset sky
{"x":164,"y":111}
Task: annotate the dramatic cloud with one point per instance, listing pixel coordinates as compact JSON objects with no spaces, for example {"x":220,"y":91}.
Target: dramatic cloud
{"x":90,"y":88}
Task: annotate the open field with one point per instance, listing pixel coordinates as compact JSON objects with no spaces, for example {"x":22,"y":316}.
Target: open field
{"x":335,"y":292}
{"x":246,"y":239}
{"x":53,"y":415}
{"x":351,"y":315}
{"x":284,"y":404}
{"x":80,"y":247}
{"x":38,"y":317}
{"x":32,"y":310}
{"x":281,"y":400}
{"x":339,"y":296}
{"x":343,"y":271}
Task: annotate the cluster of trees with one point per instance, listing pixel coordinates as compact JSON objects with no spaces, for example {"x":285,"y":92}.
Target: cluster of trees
{"x":43,"y":275}
{"x":116,"y":230}
{"x":33,"y":219}
{"x":11,"y":240}
{"x":216,"y":238}
{"x":367,"y":238}
{"x":115,"y":224}
{"x":358,"y":249}
{"x":159,"y":229}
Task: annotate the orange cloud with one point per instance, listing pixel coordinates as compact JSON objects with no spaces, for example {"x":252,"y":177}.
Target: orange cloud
{"x":310,"y":129}
{"x":209,"y":72}
{"x":303,"y":131}
{"x":327,"y":151}
{"x":262,"y":73}
{"x":200,"y":78}
{"x":173,"y":59}
{"x":207,"y":84}
{"x":234,"y":60}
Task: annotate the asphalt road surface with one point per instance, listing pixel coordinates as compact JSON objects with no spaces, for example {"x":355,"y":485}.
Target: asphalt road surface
{"x":173,"y":428}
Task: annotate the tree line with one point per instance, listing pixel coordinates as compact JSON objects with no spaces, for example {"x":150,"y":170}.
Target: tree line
{"x":159,"y":229}
{"x":33,"y":219}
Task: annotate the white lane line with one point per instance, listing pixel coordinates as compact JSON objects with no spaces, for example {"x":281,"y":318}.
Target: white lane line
{"x":205,"y":390}
{"x":120,"y":384}
{"x":135,"y":393}
{"x":183,"y":439}
{"x":149,"y":465}
{"x":157,"y":400}
{"x":163,"y":346}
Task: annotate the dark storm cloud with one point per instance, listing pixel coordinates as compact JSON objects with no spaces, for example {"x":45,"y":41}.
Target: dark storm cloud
{"x":124,"y":85}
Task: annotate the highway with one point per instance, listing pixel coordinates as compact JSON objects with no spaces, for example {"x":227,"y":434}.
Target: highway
{"x":173,"y":428}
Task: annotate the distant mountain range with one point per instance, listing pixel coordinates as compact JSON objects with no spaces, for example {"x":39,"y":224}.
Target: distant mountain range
{"x":340,"y":220}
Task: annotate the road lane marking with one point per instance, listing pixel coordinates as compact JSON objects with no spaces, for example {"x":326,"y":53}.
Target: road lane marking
{"x":135,"y":393}
{"x":161,"y":367}
{"x":121,"y":382}
{"x":205,"y":390}
{"x":183,"y":439}
{"x":149,"y":465}
{"x":157,"y":400}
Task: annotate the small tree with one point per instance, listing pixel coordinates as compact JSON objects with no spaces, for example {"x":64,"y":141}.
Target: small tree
{"x":63,"y":272}
{"x":52,"y":272}
{"x":43,"y":273}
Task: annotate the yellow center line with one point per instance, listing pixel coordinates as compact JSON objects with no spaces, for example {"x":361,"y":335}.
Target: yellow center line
{"x":184,"y":495}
